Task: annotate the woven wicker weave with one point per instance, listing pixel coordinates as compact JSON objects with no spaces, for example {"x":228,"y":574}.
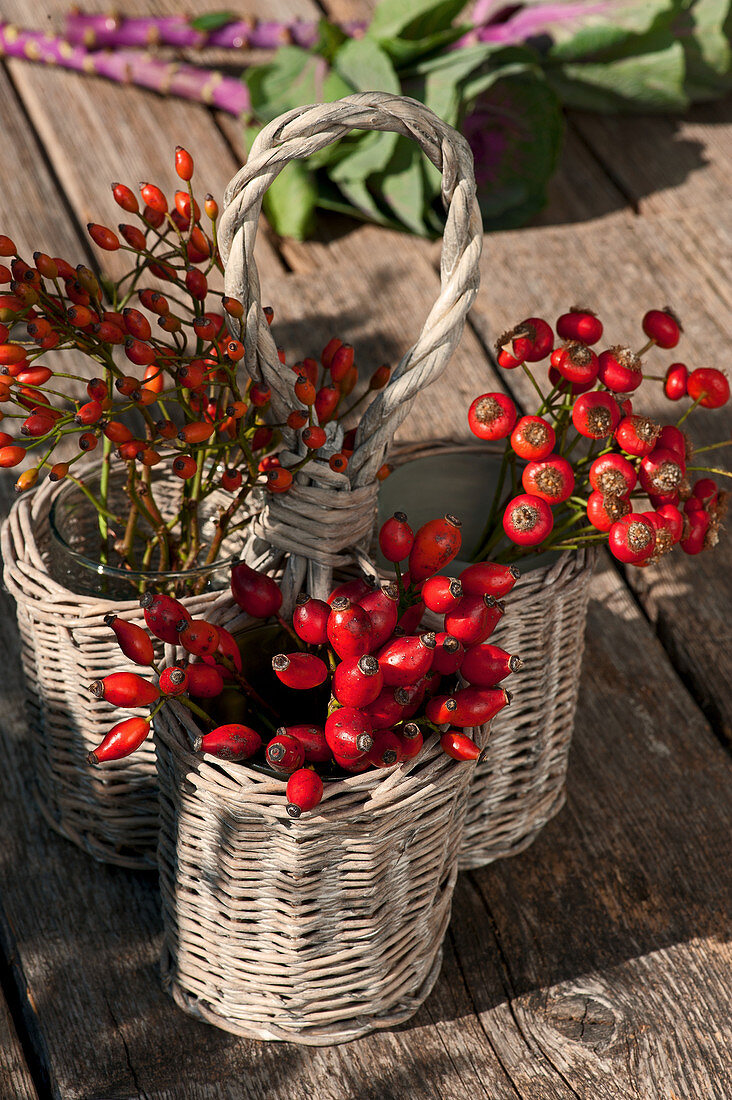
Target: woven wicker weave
{"x":316,"y":931}
{"x":319,"y":930}
{"x":520,"y":784}
{"x":111,"y":812}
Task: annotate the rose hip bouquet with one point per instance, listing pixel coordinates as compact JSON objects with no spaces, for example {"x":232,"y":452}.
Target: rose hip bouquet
{"x":167,"y":389}
{"x":588,"y":460}
{"x":362,"y":687}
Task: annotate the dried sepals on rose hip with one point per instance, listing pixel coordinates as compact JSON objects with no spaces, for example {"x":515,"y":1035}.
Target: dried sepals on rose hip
{"x":367,"y":693}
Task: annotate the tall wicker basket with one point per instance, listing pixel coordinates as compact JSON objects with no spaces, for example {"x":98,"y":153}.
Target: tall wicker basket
{"x":319,"y":930}
{"x":112,"y":813}
{"x":520,"y":784}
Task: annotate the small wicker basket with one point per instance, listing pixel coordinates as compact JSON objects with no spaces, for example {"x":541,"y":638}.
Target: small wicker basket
{"x":319,"y":930}
{"x":110,"y":812}
{"x":520,"y":784}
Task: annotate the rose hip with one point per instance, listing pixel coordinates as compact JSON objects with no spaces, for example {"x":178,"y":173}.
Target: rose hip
{"x":620,"y":369}
{"x":125,"y":689}
{"x":486,"y":665}
{"x":301,"y":671}
{"x":528,"y":520}
{"x":595,"y":415}
{"x":662,"y":327}
{"x":709,"y":387}
{"x":304,"y":791}
{"x":632,"y":539}
{"x":132,"y":639}
{"x":310,"y":620}
{"x":552,"y":479}
{"x":198,"y":637}
{"x":579,"y":324}
{"x":122,"y":739}
{"x":441,"y":594}
{"x":230,"y":742}
{"x":256,"y":593}
{"x":396,"y":538}
{"x":382,"y":607}
{"x":675,"y":382}
{"x":488,"y":578}
{"x":604,"y":511}
{"x":385,"y":710}
{"x":163,"y":616}
{"x":204,"y":681}
{"x":459,"y":746}
{"x":637,"y":435}
{"x":349,"y":629}
{"x":353,"y":590}
{"x":577,"y":363}
{"x":492,"y":416}
{"x":173,"y":680}
{"x":358,"y":681}
{"x":448,"y":655}
{"x":285,"y":753}
{"x":405,"y":660}
{"x":312,"y":739}
{"x":533,"y":438}
{"x":410,"y":739}
{"x":613,"y":475}
{"x":474,"y":619}
{"x":435,"y":545}
{"x":349,"y":733}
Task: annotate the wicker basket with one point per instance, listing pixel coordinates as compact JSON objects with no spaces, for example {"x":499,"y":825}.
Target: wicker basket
{"x":320,"y":930}
{"x":316,"y":931}
{"x":520,"y":784}
{"x":112,"y":812}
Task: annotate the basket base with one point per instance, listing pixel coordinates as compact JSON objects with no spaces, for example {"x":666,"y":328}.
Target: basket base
{"x":306,"y":1035}
{"x":98,"y":849}
{"x":473,"y":858}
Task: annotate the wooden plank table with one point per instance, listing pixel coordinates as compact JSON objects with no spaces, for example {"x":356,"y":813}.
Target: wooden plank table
{"x":597,"y":963}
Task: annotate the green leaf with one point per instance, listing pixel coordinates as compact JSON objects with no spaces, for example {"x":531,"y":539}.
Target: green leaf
{"x":370,"y":153}
{"x":643,"y":82}
{"x":293,"y":78}
{"x":212,"y":21}
{"x":405,"y":51}
{"x":330,"y":39}
{"x":365,"y":67}
{"x":359,"y":195}
{"x":402,"y":186}
{"x":289,"y":203}
{"x":413,"y":18}
{"x":440,"y":82}
{"x":705,"y":32}
{"x":610,"y":29}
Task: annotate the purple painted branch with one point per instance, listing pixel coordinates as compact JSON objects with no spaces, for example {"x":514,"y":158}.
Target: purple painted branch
{"x":112,"y":31}
{"x":129,"y":67}
{"x":531,"y":21}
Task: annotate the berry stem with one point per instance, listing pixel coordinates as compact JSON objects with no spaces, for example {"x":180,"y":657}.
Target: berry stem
{"x":690,"y":409}
{"x":534,"y":383}
{"x":710,"y":470}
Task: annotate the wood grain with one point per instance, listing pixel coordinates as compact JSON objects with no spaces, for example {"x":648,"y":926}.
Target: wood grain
{"x":15,"y":1077}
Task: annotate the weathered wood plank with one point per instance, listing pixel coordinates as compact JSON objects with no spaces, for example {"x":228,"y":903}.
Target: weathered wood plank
{"x":664,"y":164}
{"x":15,"y":1078}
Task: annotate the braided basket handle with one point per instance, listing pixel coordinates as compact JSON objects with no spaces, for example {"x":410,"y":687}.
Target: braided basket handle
{"x":296,"y":135}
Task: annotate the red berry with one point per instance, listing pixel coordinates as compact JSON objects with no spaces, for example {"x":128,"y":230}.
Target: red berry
{"x":661,"y":472}
{"x":183,"y":163}
{"x":326,"y":403}
{"x":132,"y":640}
{"x":579,"y":324}
{"x":204,"y":682}
{"x":551,"y":479}
{"x":260,"y":395}
{"x":341,"y":362}
{"x":230,"y":742}
{"x":513,"y":346}
{"x":279,"y":480}
{"x":663,"y":327}
{"x":305,"y":392}
{"x":620,"y":369}
{"x":173,"y":680}
{"x":696,"y":537}
{"x":349,"y":629}
{"x":613,"y":475}
{"x":435,"y":545}
{"x":637,"y":435}
{"x":382,"y":607}
{"x":459,"y":746}
{"x":312,"y":739}
{"x":386,"y":750}
{"x":198,"y":636}
{"x":710,"y":385}
{"x":349,"y":732}
{"x":577,"y":363}
{"x":184,"y":466}
{"x":674,"y":385}
{"x":11,"y":456}
{"x":486,"y":665}
{"x":231,"y":480}
{"x":441,"y":594}
{"x":304,"y":791}
{"x":674,"y":520}
{"x":310,"y":620}
{"x":358,"y":681}
{"x":595,"y":415}
{"x":528,"y":520}
{"x":313,"y":437}
{"x":154,"y":198}
{"x":326,"y":356}
{"x":301,"y":671}
{"x":604,"y":511}
{"x":448,"y":655}
{"x":125,"y":689}
{"x":386,"y":709}
{"x":103,"y":237}
{"x":285,"y":753}
{"x":473,"y":619}
{"x":632,"y":539}
{"x":338,"y":462}
{"x":487,"y":578}
{"x":533,"y":438}
{"x":396,"y":538}
{"x":404,"y":661}
{"x":256,"y":593}
{"x":125,"y":198}
{"x":541,"y":337}
{"x":121,"y":740}
{"x":473,"y":706}
{"x":492,"y":416}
